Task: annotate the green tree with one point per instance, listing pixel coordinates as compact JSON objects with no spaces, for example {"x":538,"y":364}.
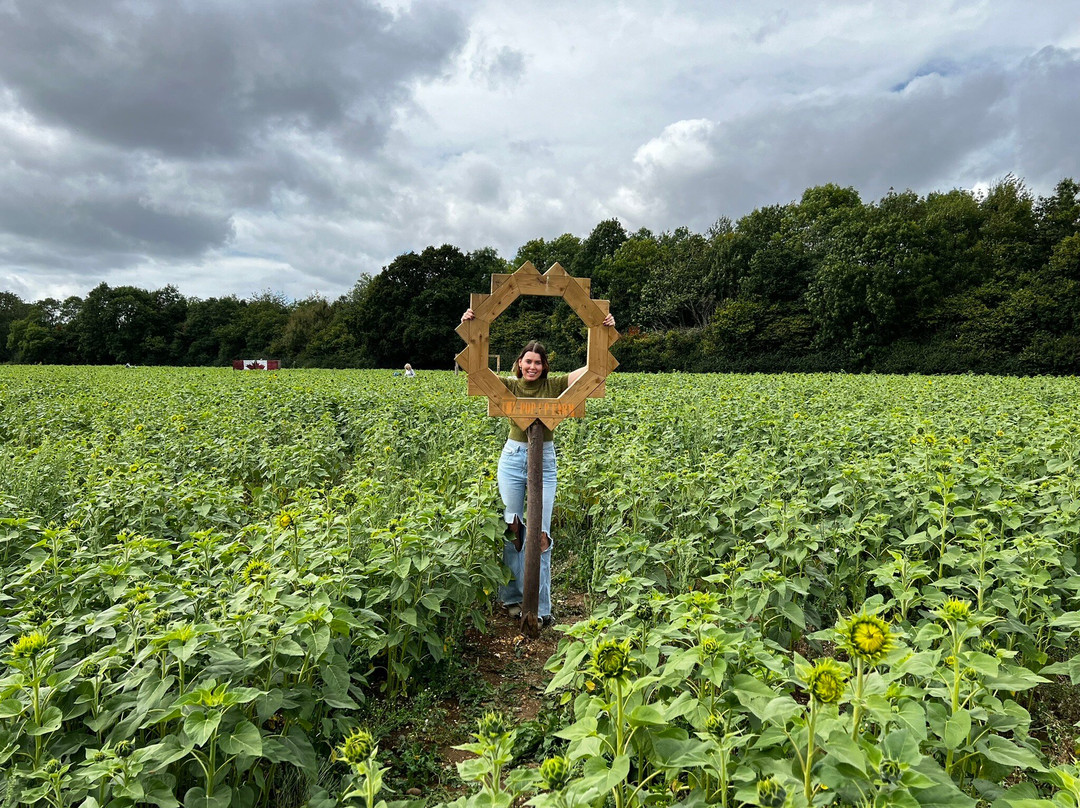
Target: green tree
{"x":127,"y":324}
{"x":678,"y":293}
{"x":410,"y":309}
{"x":11,"y":308}
{"x":1058,"y":216}
{"x":623,"y":276}
{"x":208,"y":334}
{"x":562,"y":250}
{"x":306,"y":320}
{"x":602,"y":242}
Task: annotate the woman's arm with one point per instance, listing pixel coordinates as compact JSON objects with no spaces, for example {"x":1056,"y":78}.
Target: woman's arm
{"x":574,"y":375}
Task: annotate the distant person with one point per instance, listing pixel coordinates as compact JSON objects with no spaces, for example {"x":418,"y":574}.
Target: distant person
{"x":409,"y":372}
{"x":532,"y":381}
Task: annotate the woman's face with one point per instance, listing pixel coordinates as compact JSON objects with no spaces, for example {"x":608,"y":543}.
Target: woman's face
{"x":531,"y":366}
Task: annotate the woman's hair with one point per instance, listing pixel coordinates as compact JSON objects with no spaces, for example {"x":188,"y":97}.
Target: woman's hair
{"x":537,"y":348}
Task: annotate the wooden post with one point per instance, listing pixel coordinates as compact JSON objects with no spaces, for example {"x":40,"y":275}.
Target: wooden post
{"x":534,"y":520}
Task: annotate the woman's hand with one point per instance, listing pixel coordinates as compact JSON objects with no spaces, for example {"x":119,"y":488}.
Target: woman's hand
{"x":468,"y":315}
{"x":608,"y":321}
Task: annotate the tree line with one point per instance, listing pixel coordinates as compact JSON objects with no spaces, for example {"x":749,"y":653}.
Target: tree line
{"x":943,"y":283}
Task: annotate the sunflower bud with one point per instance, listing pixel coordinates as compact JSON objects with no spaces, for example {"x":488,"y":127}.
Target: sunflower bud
{"x":716,"y":725}
{"x":611,"y":659}
{"x":955,"y":610}
{"x":29,"y":645}
{"x":257,"y":571}
{"x":357,"y":747}
{"x":52,"y":766}
{"x":770,"y":793}
{"x":556,"y":773}
{"x":867,"y":637}
{"x":491,"y":726}
{"x":890,"y":771}
{"x":826,"y":681}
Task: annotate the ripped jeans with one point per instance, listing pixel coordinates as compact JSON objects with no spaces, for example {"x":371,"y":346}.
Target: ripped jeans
{"x":513,"y":476}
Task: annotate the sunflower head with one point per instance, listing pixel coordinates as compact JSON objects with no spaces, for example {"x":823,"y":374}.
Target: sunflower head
{"x":29,"y":645}
{"x":955,"y":610}
{"x":285,"y":520}
{"x":357,"y":747}
{"x":770,"y":793}
{"x":867,"y":637}
{"x":611,"y":659}
{"x":257,"y":571}
{"x":556,"y":772}
{"x":826,"y":681}
{"x":491,"y":726}
{"x":716,"y":725}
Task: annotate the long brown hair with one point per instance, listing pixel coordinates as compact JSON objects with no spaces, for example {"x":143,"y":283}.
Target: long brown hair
{"x":536,"y":348}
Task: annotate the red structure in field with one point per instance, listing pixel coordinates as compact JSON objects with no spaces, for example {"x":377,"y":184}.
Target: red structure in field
{"x":256,"y":364}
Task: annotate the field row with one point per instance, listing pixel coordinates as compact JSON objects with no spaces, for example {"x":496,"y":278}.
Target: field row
{"x":818,"y":589}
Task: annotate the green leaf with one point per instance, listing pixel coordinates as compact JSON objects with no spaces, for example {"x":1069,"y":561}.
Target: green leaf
{"x":912,"y":715}
{"x":160,"y":755}
{"x":568,"y":669}
{"x":749,"y":691}
{"x":681,"y":753}
{"x":51,"y":719}
{"x":289,"y":647}
{"x":922,"y":664}
{"x":9,"y":708}
{"x":200,"y":725}
{"x":336,"y":691}
{"x":1066,"y":620}
{"x":646,"y":715}
{"x":957,"y":729}
{"x":294,"y":748}
{"x":1014,"y":678}
{"x":793,"y":612}
{"x":1007,"y":753}
{"x":604,"y":778}
{"x":780,"y":710}
{"x":842,"y":748}
{"x":245,"y":739}
{"x":583,"y":728}
{"x":197,"y":798}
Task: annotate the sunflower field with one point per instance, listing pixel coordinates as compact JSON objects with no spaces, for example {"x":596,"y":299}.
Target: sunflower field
{"x":804,"y":590}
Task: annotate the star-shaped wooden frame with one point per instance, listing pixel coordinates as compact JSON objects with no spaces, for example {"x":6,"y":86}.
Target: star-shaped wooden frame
{"x":505,"y":289}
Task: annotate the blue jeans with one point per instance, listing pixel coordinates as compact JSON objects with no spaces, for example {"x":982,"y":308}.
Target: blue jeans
{"x":513,"y":477}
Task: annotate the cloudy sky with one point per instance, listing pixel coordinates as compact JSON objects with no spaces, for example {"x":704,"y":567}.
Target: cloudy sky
{"x":236,"y":146}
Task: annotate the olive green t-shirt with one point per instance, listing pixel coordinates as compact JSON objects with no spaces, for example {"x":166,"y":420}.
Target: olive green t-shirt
{"x":551,"y":387}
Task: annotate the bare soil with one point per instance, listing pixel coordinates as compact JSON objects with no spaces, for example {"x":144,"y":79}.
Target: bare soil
{"x":512,"y":664}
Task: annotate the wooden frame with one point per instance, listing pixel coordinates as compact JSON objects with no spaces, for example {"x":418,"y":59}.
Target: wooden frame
{"x":505,"y":289}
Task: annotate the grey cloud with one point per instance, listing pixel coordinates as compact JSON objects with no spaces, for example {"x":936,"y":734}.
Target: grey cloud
{"x":500,"y":68}
{"x":1047,"y":115}
{"x":916,"y":138}
{"x":193,"y":79}
{"x":137,"y":131}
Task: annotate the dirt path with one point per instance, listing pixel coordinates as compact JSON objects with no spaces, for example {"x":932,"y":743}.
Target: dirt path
{"x":513,"y":665}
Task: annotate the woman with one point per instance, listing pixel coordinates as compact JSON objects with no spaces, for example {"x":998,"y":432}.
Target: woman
{"x":532,"y":381}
